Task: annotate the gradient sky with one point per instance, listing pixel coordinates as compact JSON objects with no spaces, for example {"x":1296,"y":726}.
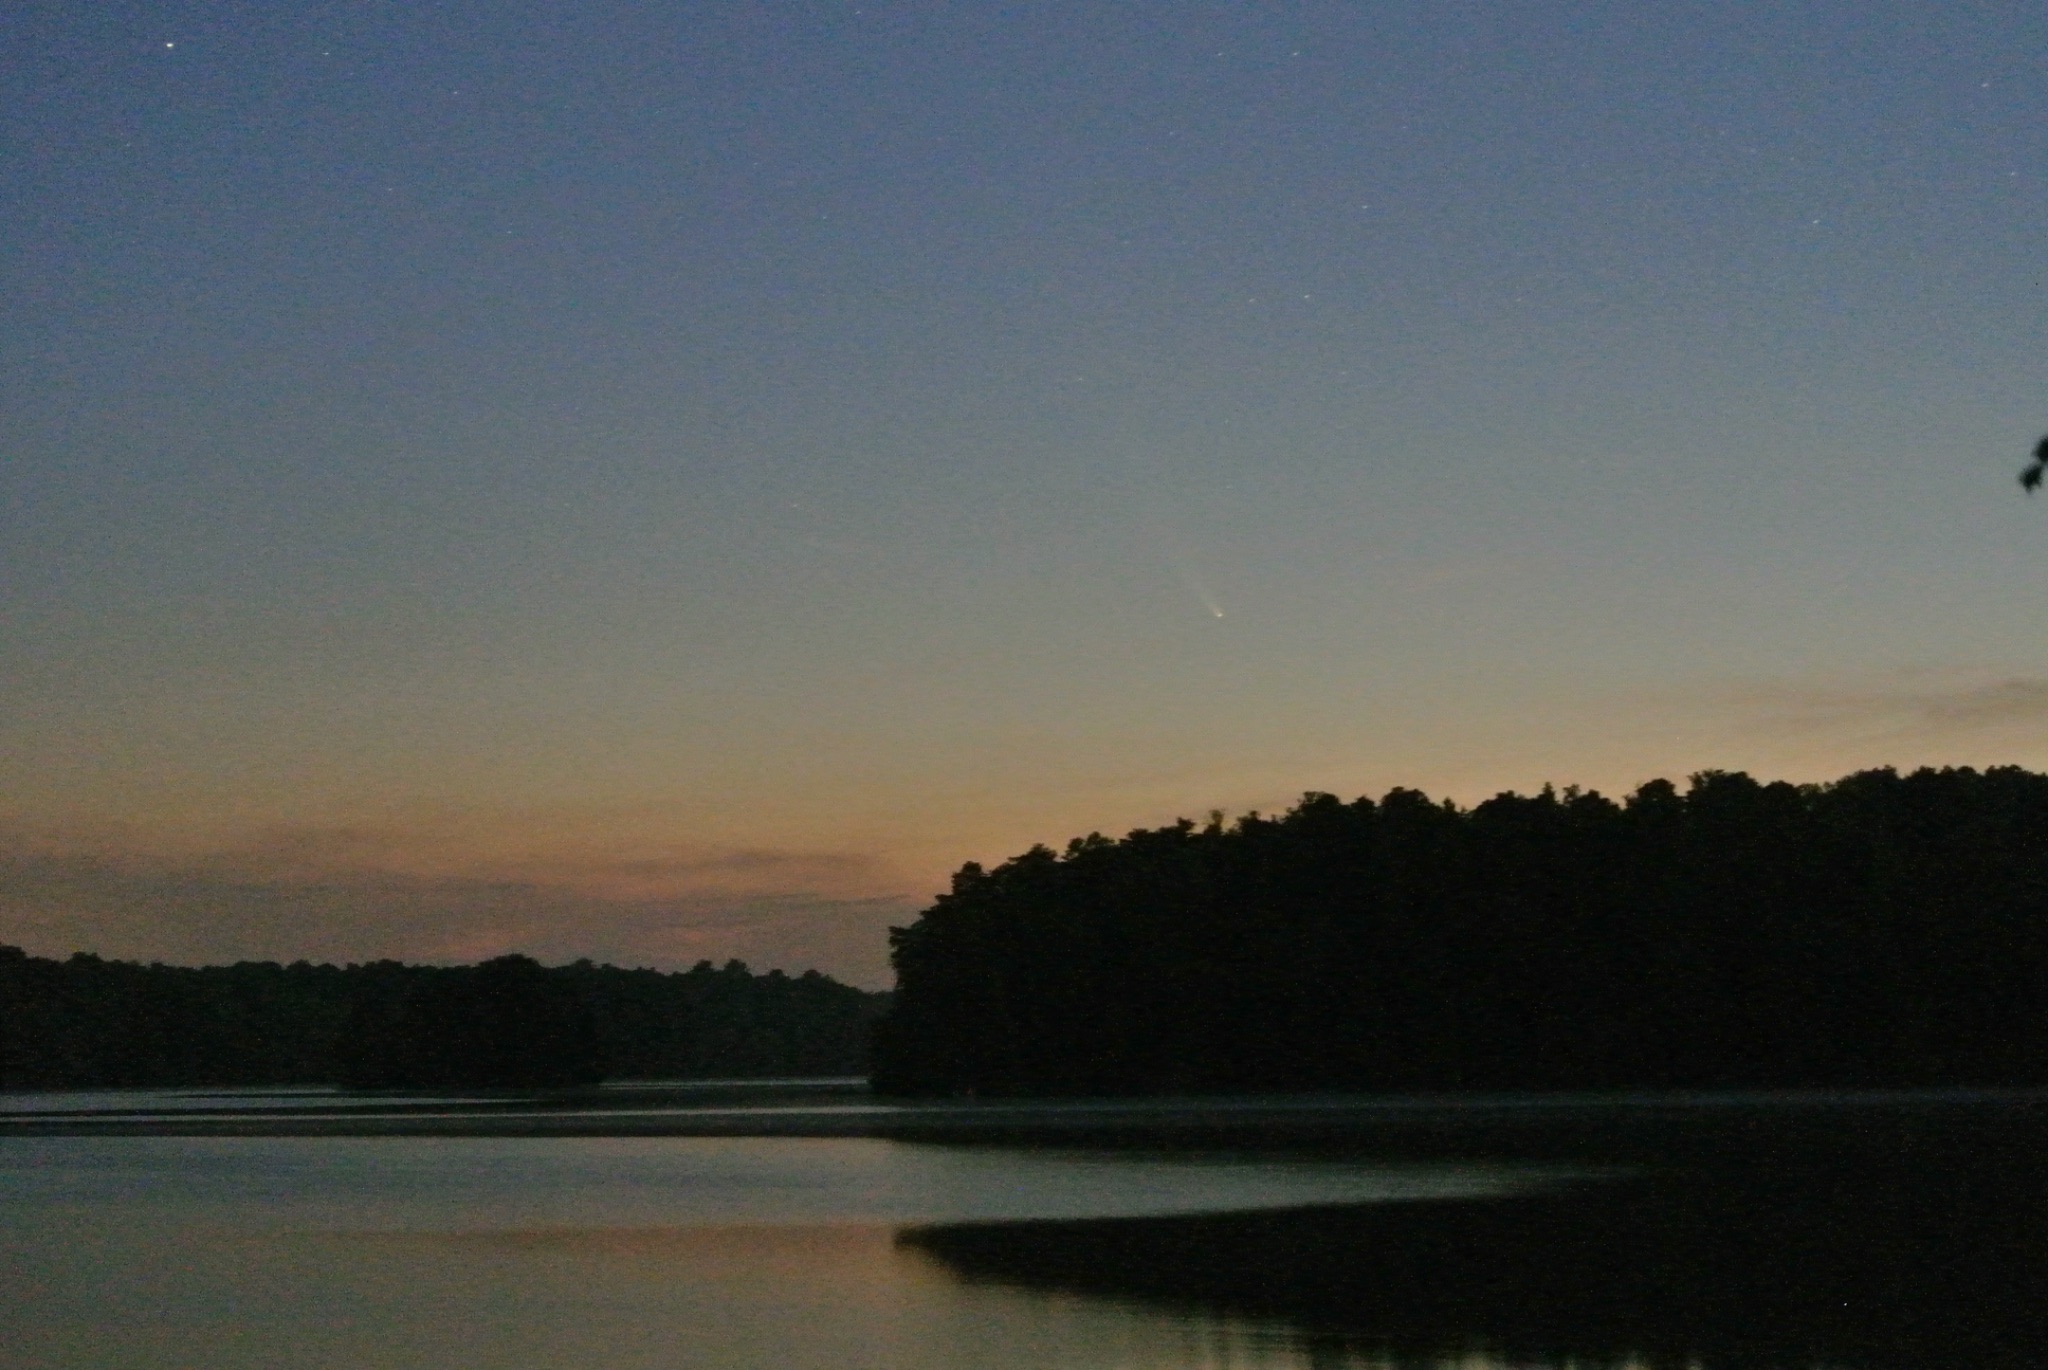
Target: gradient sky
{"x":658,"y":481}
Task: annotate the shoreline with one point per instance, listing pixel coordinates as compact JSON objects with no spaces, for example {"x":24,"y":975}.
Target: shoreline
{"x":1605,"y":1126}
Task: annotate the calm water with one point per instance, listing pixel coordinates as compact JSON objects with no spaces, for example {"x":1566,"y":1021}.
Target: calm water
{"x":613,"y":1252}
{"x":1851,"y":1233}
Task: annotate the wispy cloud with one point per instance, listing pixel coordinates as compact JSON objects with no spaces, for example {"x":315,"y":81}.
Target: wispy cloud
{"x":2001,"y":709}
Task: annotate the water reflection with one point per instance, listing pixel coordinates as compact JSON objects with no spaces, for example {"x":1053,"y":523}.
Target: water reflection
{"x":1922,"y":1261}
{"x":515,"y":1254}
{"x":719,"y":1254}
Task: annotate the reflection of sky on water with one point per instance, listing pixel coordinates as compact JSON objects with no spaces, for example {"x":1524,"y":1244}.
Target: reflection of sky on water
{"x":147,"y":1103}
{"x":614,"y":1252}
{"x":417,"y":1183}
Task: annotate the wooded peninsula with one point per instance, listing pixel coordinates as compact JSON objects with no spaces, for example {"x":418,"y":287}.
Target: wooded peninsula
{"x":1879,"y":931}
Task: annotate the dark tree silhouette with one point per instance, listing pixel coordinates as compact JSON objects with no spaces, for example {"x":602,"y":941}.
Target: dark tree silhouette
{"x":506,"y":1024}
{"x":86,"y":1022}
{"x":2030,"y":479}
{"x":1883,"y":930}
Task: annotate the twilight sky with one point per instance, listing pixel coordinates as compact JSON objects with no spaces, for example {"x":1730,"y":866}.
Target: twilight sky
{"x":657,"y":481}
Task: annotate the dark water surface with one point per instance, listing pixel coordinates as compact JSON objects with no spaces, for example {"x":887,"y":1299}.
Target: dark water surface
{"x":1861,"y":1237}
{"x":1751,"y":1270}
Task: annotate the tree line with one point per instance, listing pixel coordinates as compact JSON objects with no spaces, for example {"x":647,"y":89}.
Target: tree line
{"x":85,"y":1022}
{"x":1881,"y":930}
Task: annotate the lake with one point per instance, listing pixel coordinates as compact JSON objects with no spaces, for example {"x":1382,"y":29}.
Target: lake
{"x":515,"y":1252}
{"x":497,"y":1251}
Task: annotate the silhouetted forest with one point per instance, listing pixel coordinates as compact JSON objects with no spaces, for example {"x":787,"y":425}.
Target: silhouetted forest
{"x":1882,"y":930}
{"x":87,"y":1022}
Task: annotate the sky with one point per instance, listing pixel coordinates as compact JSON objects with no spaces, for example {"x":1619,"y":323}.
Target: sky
{"x":659,"y":481}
